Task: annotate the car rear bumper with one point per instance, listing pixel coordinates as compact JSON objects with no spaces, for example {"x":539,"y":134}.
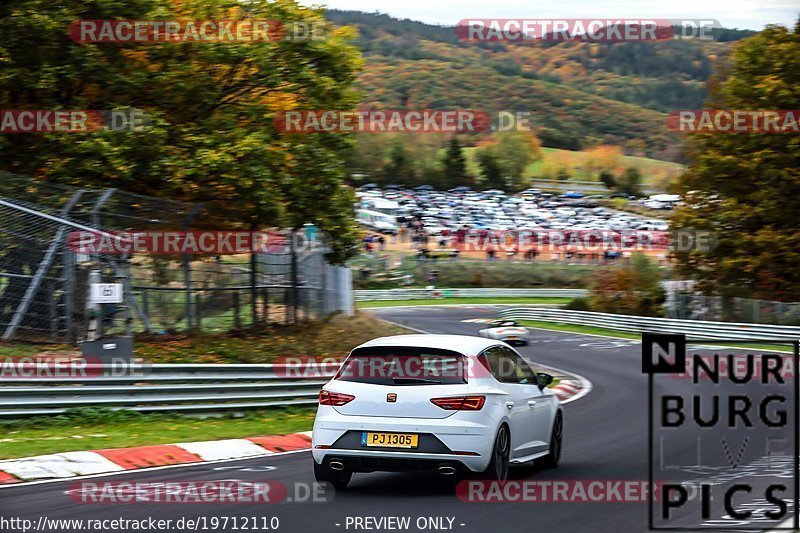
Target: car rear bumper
{"x":383,"y":462}
{"x":445,"y":440}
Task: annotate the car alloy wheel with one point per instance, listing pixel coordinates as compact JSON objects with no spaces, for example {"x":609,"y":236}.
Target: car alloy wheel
{"x":552,"y":459}
{"x":498,"y":466}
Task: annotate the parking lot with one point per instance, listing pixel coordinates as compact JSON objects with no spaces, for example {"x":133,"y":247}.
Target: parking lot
{"x":490,"y":224}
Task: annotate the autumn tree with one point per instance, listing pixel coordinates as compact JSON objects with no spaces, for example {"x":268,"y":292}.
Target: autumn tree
{"x":211,"y":105}
{"x":602,"y":158}
{"x":744,"y":187}
{"x":633,"y":288}
{"x":505,"y":157}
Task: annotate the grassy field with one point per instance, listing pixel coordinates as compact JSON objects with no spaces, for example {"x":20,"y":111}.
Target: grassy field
{"x":654,"y":172}
{"x":88,"y":430}
{"x":462,"y":301}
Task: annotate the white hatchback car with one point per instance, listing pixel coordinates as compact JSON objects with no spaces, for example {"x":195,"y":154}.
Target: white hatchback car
{"x":507,"y":331}
{"x":444,"y":403}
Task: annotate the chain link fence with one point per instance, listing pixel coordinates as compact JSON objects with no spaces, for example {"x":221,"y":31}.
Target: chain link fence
{"x":44,"y":285}
{"x":746,"y":310}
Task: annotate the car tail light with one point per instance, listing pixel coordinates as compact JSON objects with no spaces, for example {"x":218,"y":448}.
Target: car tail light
{"x":334,"y":398}
{"x":460,"y":403}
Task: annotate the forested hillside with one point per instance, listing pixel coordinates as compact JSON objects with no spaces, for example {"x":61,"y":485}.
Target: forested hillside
{"x":581,"y":94}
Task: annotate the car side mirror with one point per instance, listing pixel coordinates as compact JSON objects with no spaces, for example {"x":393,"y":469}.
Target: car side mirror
{"x":543,"y":380}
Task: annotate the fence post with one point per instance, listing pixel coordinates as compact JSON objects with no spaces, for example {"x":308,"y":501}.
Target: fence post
{"x":68,"y":263}
{"x":265,"y":300}
{"x":187,"y":271}
{"x":295,"y":289}
{"x":253,"y":290}
{"x":199,"y":312}
{"x":145,"y":303}
{"x":237,"y":320}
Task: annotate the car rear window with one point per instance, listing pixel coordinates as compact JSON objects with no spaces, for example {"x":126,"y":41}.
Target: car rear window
{"x":404,"y":366}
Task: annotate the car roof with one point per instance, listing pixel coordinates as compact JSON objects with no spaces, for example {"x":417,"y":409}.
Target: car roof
{"x":464,"y":344}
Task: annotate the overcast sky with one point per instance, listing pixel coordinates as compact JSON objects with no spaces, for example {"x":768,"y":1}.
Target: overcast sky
{"x":750,"y":14}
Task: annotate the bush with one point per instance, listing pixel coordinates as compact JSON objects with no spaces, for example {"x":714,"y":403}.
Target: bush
{"x":579,"y":304}
{"x":631,"y":289}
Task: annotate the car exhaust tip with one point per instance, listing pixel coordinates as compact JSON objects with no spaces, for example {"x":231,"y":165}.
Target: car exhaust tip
{"x":337,"y":465}
{"x":446,"y":470}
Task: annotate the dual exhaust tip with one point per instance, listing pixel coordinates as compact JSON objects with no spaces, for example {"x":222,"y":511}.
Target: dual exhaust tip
{"x":445,"y":470}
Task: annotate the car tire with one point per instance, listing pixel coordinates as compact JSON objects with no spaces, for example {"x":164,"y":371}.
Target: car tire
{"x":501,"y":453}
{"x":553,"y":457}
{"x":338,"y":478}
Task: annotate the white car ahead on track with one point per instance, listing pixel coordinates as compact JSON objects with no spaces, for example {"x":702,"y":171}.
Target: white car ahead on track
{"x":506,"y":331}
{"x":444,"y":403}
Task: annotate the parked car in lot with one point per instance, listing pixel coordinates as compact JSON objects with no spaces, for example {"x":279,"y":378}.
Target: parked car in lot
{"x":507,"y":331}
{"x":443,"y":403}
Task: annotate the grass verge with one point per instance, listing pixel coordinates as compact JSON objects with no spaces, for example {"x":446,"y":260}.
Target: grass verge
{"x":446,"y":301}
{"x":94,"y":429}
{"x":333,"y":336}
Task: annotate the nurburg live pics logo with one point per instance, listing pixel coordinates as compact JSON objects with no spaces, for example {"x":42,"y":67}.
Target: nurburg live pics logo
{"x":727,"y":444}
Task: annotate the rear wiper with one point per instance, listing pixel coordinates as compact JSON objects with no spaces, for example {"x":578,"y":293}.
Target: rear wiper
{"x":416,"y":380}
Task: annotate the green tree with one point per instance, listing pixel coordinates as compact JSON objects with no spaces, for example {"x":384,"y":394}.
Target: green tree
{"x":631,"y":182}
{"x":515,"y":150}
{"x":607,"y":179}
{"x":491,"y":173}
{"x":211,"y":105}
{"x":454,"y":165}
{"x":399,"y":168}
{"x":744,"y":188}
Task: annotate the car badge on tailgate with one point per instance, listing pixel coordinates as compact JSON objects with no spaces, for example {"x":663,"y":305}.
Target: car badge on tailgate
{"x":391,"y":397}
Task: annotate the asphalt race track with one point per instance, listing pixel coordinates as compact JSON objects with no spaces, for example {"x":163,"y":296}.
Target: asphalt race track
{"x":605,"y":439}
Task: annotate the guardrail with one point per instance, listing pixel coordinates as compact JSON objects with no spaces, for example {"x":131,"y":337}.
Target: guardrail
{"x":639,"y":324}
{"x":418,"y":294}
{"x":163,"y":387}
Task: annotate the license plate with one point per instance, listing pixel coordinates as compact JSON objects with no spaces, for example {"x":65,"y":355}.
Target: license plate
{"x":512,"y":338}
{"x":390,"y":440}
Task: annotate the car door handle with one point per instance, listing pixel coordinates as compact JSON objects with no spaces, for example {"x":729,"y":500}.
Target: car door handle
{"x":509,"y":404}
{"x":531,"y":403}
